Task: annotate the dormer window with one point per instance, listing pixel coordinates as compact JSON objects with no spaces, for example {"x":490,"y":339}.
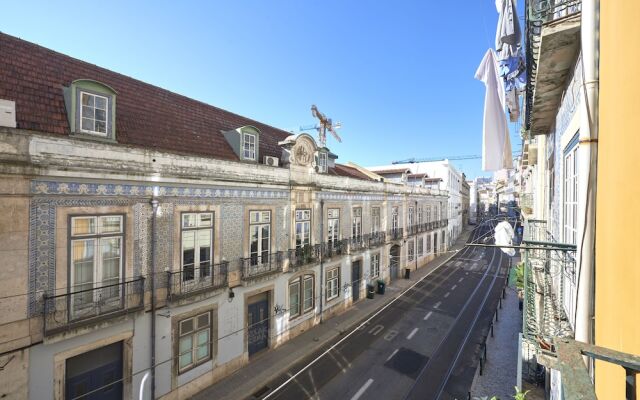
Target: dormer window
{"x":322,"y":162}
{"x":93,"y":113}
{"x":249,"y":146}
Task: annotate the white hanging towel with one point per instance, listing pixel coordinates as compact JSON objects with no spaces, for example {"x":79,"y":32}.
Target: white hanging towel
{"x":504,"y":237}
{"x":508,"y":34}
{"x":496,"y":146}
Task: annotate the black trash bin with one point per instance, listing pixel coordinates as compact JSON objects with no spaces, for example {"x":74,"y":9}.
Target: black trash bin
{"x":370,"y":291}
{"x":407,"y":273}
{"x":381,"y":287}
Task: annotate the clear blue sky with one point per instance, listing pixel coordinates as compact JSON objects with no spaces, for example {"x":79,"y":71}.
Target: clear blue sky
{"x":397,"y":74}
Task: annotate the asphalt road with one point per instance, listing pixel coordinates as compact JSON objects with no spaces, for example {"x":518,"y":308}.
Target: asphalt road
{"x":423,"y":345}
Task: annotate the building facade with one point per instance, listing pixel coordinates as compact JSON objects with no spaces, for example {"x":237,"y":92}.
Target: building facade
{"x":152,"y":238}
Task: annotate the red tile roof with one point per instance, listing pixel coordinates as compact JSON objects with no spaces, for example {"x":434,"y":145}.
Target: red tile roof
{"x":350,"y":172}
{"x":146,"y":116}
{"x":390,"y":171}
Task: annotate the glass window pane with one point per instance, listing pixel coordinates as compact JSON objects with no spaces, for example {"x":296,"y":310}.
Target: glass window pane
{"x":188,"y":220}
{"x":83,"y":262}
{"x":294,"y":298}
{"x":111,"y":224}
{"x":100,"y":102}
{"x":88,"y":113}
{"x":186,"y":326}
{"x":110,"y":259}
{"x":202,"y":342}
{"x":87,"y":124}
{"x":308,"y":293}
{"x":87,"y":99}
{"x":83,"y":225}
{"x":100,"y":115}
{"x":203,"y":320}
{"x":205,"y":219}
{"x":186,"y":351}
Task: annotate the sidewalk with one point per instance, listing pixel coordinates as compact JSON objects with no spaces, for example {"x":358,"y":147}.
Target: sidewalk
{"x":273,"y":363}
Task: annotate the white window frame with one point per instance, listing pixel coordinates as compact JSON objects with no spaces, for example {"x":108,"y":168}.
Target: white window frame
{"x":375,"y":219}
{"x":200,"y":270}
{"x":375,"y":265}
{"x":323,"y":162}
{"x":89,"y":295}
{"x":298,"y":286}
{"x":420,"y":250}
{"x":410,"y":217}
{"x":356,"y":224}
{"x":428,"y":216}
{"x":249,"y":141}
{"x":333,"y":226}
{"x":106,"y":114}
{"x":419,"y":216}
{"x":395,"y":220}
{"x":303,"y":222}
{"x":332,"y":282}
{"x":258,"y":221}
{"x":193,"y":336}
{"x":570,"y":196}
{"x":410,"y":250}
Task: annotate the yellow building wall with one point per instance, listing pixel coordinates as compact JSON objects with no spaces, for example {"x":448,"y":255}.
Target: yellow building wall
{"x":617,"y":285}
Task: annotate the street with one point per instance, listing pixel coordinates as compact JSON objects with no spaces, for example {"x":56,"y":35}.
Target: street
{"x":423,"y":345}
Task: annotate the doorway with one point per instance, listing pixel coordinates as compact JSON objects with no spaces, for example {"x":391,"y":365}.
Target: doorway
{"x":394,"y":261}
{"x":356,"y":270}
{"x":95,"y":375}
{"x":258,"y":319}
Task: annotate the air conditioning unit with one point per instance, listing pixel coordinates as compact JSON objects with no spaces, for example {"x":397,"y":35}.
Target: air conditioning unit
{"x":271,"y":161}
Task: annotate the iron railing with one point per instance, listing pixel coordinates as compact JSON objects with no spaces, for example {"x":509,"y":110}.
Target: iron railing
{"x":549,"y":294}
{"x":84,"y":306}
{"x":259,"y":265}
{"x":305,"y":255}
{"x":192,"y":281}
{"x":356,"y":243}
{"x":537,"y":13}
{"x":395,"y":234}
{"x":335,"y":248}
{"x":376,"y":239}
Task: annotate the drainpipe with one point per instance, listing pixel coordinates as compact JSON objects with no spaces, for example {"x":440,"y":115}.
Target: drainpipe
{"x":321,"y":256}
{"x":415,"y":239}
{"x":154,"y":205}
{"x":589,"y":33}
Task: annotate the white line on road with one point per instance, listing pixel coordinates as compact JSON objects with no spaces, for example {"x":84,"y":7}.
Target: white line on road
{"x":362,"y":389}
{"x":426,"y":317}
{"x":447,"y":294}
{"x":413,"y":332}
{"x":437,"y":304}
{"x":392,"y":354}
{"x":454,"y":287}
{"x":460,"y":280}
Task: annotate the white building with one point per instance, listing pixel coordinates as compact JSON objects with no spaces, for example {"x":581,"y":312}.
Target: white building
{"x":451,"y":181}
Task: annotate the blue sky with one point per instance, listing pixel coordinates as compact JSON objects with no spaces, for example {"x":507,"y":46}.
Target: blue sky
{"x":397,"y":74}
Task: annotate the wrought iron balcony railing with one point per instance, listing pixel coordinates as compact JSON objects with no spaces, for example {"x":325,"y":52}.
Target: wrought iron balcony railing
{"x":301,"y":256}
{"x":192,"y":281}
{"x":335,"y":248}
{"x":395,"y":234}
{"x":376,"y":239}
{"x":86,"y":305}
{"x":356,"y":243}
{"x":259,"y":265}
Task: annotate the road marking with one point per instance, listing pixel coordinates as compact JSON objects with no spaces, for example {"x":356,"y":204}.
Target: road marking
{"x":447,"y":294}
{"x":460,"y":280}
{"x":413,"y":332}
{"x":376,"y":329}
{"x":285,"y":383}
{"x":437,"y":304}
{"x":390,"y":335}
{"x":392,"y":354}
{"x":426,"y":317}
{"x":362,"y":389}
{"x":454,"y":287}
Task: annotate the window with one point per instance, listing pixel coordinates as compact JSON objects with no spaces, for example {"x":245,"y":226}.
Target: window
{"x":420,"y":246}
{"x":570,"y":206}
{"x":375,"y":219}
{"x":356,"y":225}
{"x":419,"y":216}
{"x":259,"y":236}
{"x":333,"y":283}
{"x":301,"y":294}
{"x":375,"y":265}
{"x":96,"y":258}
{"x":322,"y":162}
{"x":428,"y":244}
{"x":303,"y":228}
{"x":410,"y":251}
{"x":394,"y":219}
{"x":333,"y":226}
{"x":428,"y":213}
{"x":410,"y":217}
{"x":194,"y":341}
{"x":197,"y":245}
{"x":93,"y":113}
{"x":248,"y":146}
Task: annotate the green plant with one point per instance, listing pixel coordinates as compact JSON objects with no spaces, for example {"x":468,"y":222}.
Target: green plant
{"x":520,"y":395}
{"x":519,"y":275}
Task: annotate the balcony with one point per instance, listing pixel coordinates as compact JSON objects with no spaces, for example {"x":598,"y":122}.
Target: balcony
{"x":261,"y":265}
{"x":526,"y":203}
{"x":301,"y":256}
{"x":412,"y":230}
{"x":191,"y":282}
{"x":356,"y":243}
{"x":549,"y":295}
{"x":376,"y":239}
{"x":81,"y":307}
{"x":335,"y":248}
{"x":395,"y":234}
{"x":552,"y":32}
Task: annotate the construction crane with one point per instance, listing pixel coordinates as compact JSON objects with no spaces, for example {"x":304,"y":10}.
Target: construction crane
{"x":324,"y":124}
{"x":467,"y":157}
